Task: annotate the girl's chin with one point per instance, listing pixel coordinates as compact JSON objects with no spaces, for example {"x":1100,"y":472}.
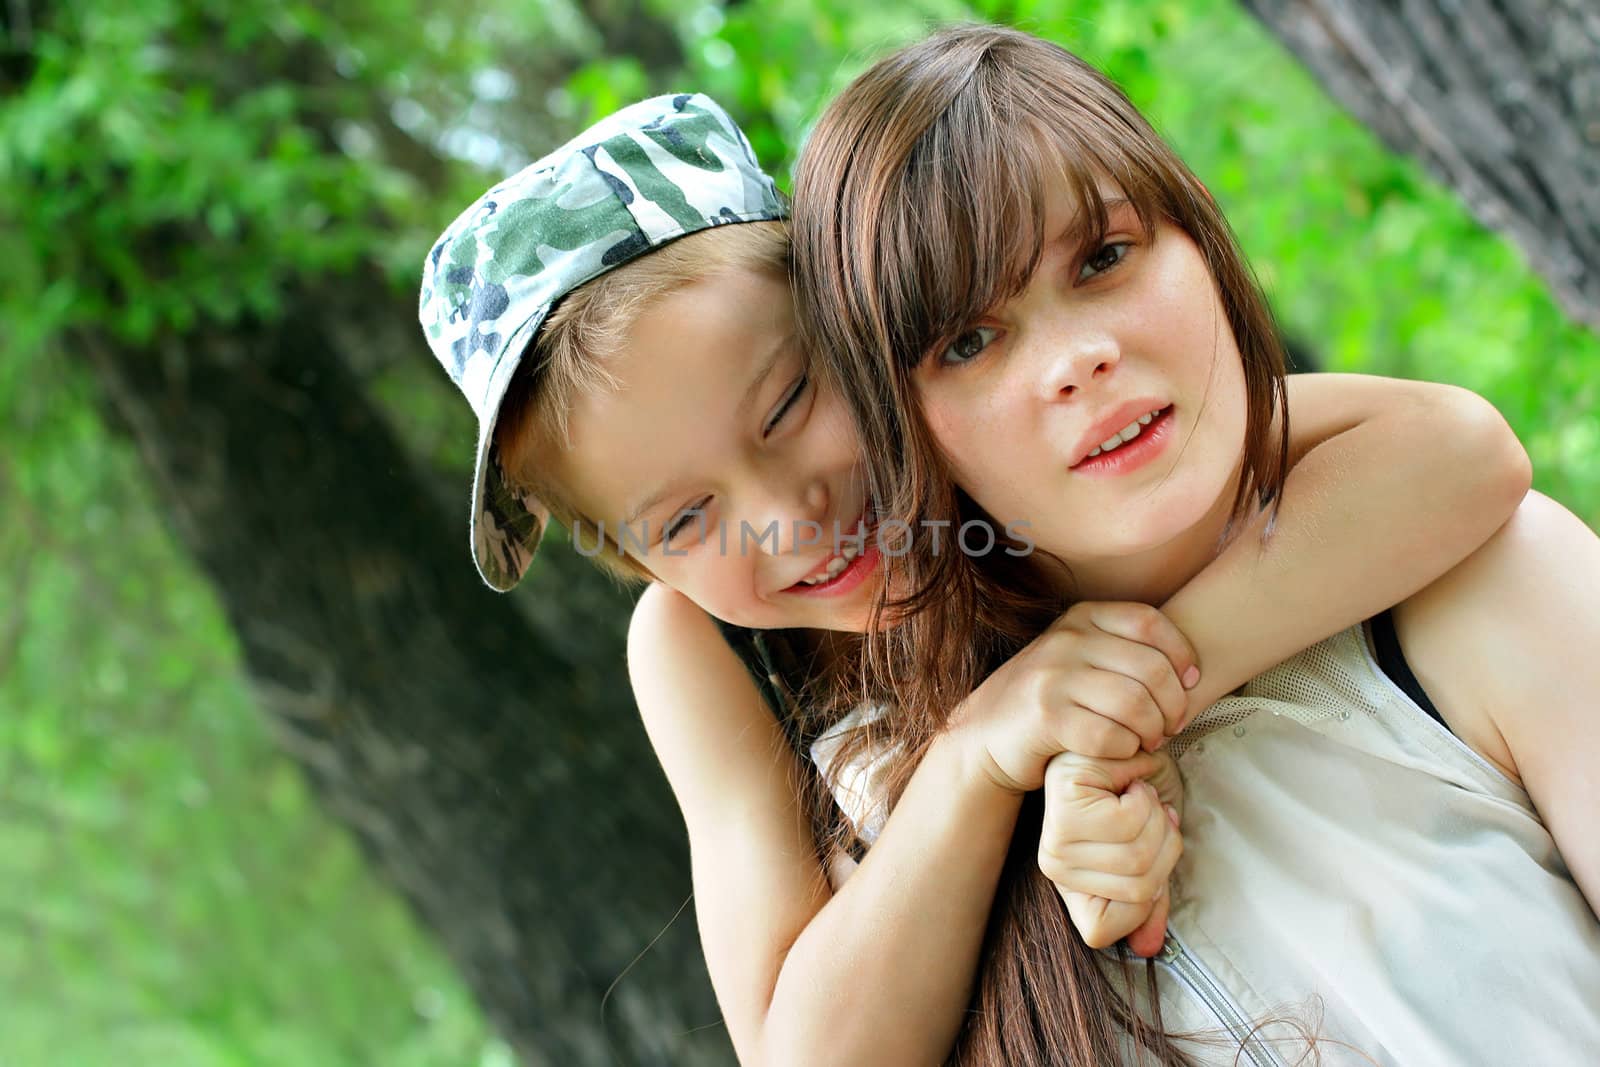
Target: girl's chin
{"x":1160,"y":527}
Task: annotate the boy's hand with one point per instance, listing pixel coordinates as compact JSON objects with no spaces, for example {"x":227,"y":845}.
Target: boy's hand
{"x":1110,"y":841}
{"x":1105,"y":680}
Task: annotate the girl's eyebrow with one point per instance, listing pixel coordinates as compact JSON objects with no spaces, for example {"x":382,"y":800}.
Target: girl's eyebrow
{"x":768,"y":362}
{"x":1080,"y":219}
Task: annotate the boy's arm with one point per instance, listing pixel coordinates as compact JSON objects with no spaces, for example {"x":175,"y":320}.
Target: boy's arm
{"x":805,"y":975}
{"x":1393,"y":483}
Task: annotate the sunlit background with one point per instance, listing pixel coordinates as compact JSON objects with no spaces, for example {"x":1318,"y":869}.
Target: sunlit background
{"x":170,"y":892}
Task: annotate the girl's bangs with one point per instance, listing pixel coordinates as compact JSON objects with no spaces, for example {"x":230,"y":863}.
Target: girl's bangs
{"x":964,"y":231}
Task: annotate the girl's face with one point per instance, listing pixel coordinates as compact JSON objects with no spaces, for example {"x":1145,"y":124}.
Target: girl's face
{"x":1104,"y":405}
{"x":719,"y":452}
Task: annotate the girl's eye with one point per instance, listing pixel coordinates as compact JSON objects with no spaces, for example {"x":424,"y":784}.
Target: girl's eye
{"x":1105,"y":257}
{"x":967,"y":346}
{"x":795,"y":392}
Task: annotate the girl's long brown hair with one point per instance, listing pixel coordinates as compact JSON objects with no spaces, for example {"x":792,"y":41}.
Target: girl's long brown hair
{"x":918,"y":207}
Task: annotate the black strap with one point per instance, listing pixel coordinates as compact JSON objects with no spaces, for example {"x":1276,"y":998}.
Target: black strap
{"x":768,"y":657}
{"x":754,"y":651}
{"x":1392,"y":661}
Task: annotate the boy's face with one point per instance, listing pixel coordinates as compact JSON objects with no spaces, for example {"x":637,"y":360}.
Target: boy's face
{"x":726,"y":459}
{"x":1102,"y":338}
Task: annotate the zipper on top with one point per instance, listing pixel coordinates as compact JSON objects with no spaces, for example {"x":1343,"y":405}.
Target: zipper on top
{"x":1194,"y":975}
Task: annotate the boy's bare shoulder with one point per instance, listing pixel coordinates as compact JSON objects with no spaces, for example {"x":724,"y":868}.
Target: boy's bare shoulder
{"x":707,"y":721}
{"x":668,"y":625}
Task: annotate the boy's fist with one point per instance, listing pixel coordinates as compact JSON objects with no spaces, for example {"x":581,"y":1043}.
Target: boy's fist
{"x":1110,"y":841}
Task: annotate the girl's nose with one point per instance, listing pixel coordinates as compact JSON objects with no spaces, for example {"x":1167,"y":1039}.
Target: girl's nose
{"x":1076,"y":362}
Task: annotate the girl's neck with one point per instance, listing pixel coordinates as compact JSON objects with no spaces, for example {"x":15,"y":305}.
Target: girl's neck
{"x":1153,"y":576}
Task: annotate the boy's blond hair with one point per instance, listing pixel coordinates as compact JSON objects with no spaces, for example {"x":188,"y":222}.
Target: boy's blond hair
{"x":583,"y":331}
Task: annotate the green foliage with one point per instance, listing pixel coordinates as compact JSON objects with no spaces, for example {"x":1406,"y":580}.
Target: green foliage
{"x":160,"y":167}
{"x":169,"y":892}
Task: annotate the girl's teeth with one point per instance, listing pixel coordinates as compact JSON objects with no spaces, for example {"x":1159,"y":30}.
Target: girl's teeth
{"x":1124,"y":435}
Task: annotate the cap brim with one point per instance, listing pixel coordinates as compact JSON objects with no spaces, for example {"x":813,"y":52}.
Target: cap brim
{"x":507,"y":521}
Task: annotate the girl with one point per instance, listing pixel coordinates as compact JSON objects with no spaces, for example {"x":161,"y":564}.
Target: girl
{"x":667,"y":376}
{"x":1035,"y":309}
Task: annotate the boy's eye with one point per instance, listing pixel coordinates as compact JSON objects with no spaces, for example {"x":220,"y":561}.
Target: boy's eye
{"x":795,"y":392}
{"x":967,"y":346}
{"x":1104,"y":258}
{"x":683,"y":520}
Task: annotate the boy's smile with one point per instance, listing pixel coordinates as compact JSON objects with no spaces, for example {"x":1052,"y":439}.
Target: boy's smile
{"x":722,"y":465}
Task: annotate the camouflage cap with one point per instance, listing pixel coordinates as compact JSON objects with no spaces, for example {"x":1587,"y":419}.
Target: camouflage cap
{"x":649,"y":173}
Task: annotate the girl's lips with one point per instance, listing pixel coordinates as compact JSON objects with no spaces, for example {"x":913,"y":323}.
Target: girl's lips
{"x":853,"y":575}
{"x":1132,"y":455}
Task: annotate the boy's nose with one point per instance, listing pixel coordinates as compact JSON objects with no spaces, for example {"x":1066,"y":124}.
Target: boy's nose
{"x":798,"y":512}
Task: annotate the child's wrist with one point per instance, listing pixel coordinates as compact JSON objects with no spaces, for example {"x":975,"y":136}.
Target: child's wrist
{"x":975,"y":766}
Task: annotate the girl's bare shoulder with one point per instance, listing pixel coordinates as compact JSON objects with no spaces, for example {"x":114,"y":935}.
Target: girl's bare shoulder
{"x":1495,"y":642}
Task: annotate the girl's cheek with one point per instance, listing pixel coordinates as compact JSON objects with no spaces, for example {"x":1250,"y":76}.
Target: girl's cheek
{"x":937,"y":413}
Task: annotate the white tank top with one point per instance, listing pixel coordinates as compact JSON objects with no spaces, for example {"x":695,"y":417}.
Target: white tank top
{"x":1353,"y":867}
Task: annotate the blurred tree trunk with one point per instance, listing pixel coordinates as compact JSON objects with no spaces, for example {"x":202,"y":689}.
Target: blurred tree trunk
{"x":488,"y":759}
{"x":484,"y":750}
{"x":1500,"y":99}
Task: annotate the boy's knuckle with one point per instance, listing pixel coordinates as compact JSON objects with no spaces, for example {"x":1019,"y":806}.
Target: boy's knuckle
{"x":1129,"y":822}
{"x":1061,"y":635}
{"x":1154,"y":669}
{"x":1061,"y":776}
{"x":1104,"y":739}
{"x":1124,"y":864}
{"x":1052,"y":866}
{"x":1035,"y":690}
{"x":1131,"y":701}
{"x":1099,"y":729}
{"x":1097,"y":936}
